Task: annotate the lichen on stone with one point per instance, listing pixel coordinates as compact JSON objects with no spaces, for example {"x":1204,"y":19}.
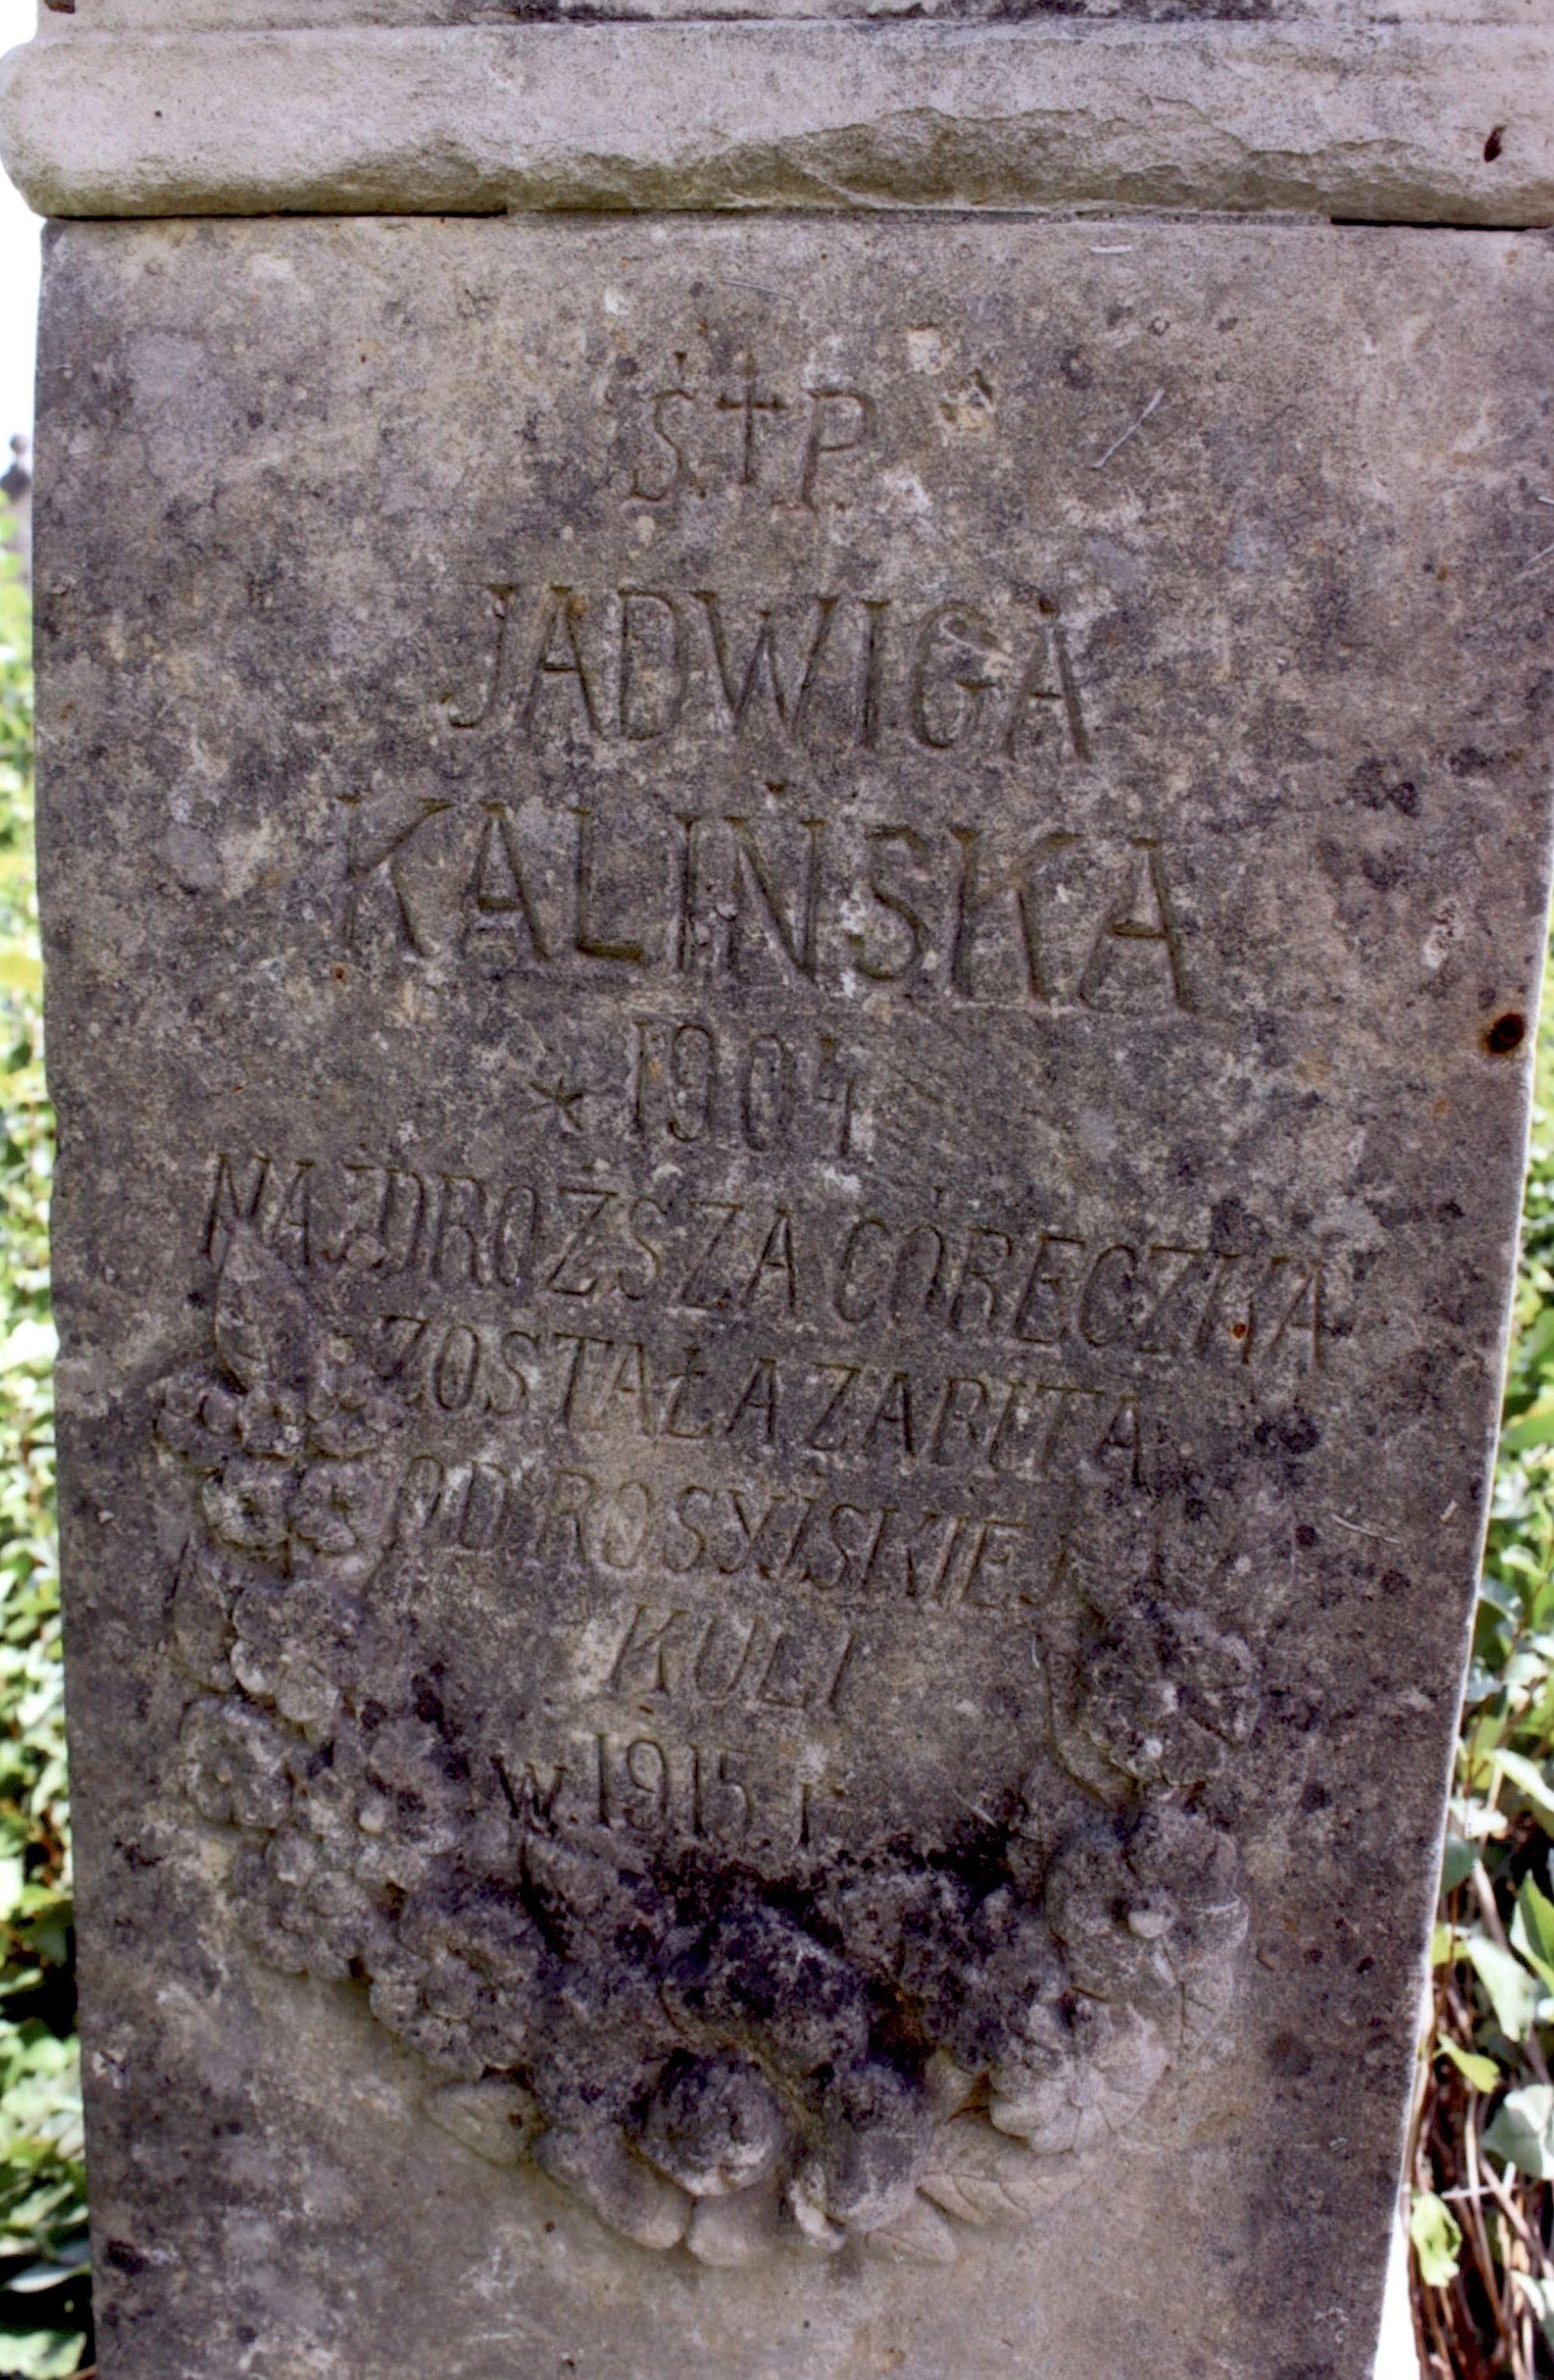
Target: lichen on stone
{"x":709,"y":2056}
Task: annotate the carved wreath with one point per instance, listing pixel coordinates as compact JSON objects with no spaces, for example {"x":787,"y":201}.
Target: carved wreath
{"x":706,"y":2059}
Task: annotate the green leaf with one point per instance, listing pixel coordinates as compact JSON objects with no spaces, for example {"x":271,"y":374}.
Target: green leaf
{"x":1530,"y":1782}
{"x":43,"y":2190}
{"x":20,"y":970}
{"x":1514,"y":1992}
{"x":1481,"y":2072}
{"x":1532,"y":1930}
{"x":1476,"y":1820}
{"x":1523,"y":2131}
{"x":1540,"y":2297}
{"x":1458,"y":1862}
{"x":46,"y":2275}
{"x":1438,"y":2238}
{"x":13,"y":1873}
{"x":1535,"y":1428}
{"x":39,"y":2355}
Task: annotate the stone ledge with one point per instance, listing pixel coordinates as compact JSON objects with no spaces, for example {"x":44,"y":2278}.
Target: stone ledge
{"x":1385,"y":125}
{"x":61,"y":18}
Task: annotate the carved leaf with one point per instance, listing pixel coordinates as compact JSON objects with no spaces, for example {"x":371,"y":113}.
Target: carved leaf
{"x":265,"y":1333}
{"x":980,"y":2176}
{"x":729,"y":2232}
{"x":626,"y":2195}
{"x":921,"y":2235}
{"x":496,"y":2119}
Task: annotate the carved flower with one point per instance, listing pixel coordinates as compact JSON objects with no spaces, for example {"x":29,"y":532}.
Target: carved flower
{"x":247,"y":1503}
{"x":1166,"y":1698}
{"x":235,"y":1763}
{"x":889,"y":1915}
{"x":587,"y":1898}
{"x":874,"y":2128}
{"x":349,"y":1412}
{"x":285,"y":1640}
{"x":331,"y":1791}
{"x":443,"y":2041}
{"x":272,"y":1424}
{"x":196,"y":1418}
{"x":412,"y":1763}
{"x":601,"y":2038}
{"x":344,"y":1507}
{"x":1084,"y":2071}
{"x":714,"y":2125}
{"x":484,"y":1961}
{"x":622,"y":2191}
{"x":1157,"y":1927}
{"x":979,"y":1969}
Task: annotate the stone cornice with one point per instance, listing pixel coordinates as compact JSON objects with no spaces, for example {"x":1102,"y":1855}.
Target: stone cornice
{"x":1386,"y":124}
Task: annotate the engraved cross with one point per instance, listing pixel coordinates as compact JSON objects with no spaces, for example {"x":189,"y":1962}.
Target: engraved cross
{"x":750,"y":404}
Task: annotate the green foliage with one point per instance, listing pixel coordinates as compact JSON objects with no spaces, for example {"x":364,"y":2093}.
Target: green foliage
{"x":43,"y":2279}
{"x":1437,"y":2236}
{"x":1482,"y":2221}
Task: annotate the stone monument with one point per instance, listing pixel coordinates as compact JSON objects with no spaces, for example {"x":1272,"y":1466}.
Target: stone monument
{"x":795,"y":821}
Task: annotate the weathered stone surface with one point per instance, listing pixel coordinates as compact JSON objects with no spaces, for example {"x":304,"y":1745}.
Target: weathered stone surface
{"x":792,"y":970}
{"x":62,"y":17}
{"x":1419,"y":122}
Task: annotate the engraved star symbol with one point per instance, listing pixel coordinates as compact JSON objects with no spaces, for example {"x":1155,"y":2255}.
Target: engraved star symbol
{"x":563,"y":1097}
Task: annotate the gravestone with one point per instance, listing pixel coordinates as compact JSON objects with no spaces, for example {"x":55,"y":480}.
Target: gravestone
{"x":793,"y":965}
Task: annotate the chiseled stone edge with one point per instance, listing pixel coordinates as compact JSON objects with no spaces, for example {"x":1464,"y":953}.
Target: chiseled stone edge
{"x":1385,"y":125}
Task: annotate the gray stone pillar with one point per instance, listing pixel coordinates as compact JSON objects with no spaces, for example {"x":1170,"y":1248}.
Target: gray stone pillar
{"x":794,"y":824}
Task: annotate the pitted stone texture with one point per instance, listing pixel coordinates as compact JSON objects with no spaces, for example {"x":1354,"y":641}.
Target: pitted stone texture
{"x":792,"y":970}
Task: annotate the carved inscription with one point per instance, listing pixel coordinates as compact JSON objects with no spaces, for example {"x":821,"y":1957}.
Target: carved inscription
{"x":570,"y":1527}
{"x":710,"y":1530}
{"x":785,"y":442}
{"x":693,"y":1080}
{"x":1037,"y":919}
{"x":680,"y":1790}
{"x":602,"y":1243}
{"x":991,"y":677}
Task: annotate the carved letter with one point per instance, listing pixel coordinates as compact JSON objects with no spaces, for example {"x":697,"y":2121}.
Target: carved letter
{"x":564,"y":608}
{"x":1140,"y":912}
{"x":589,"y":937}
{"x":655,"y":710}
{"x":971,"y":639}
{"x":887,"y":967}
{"x":794,"y":936}
{"x":497,"y":886}
{"x":839,"y":420}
